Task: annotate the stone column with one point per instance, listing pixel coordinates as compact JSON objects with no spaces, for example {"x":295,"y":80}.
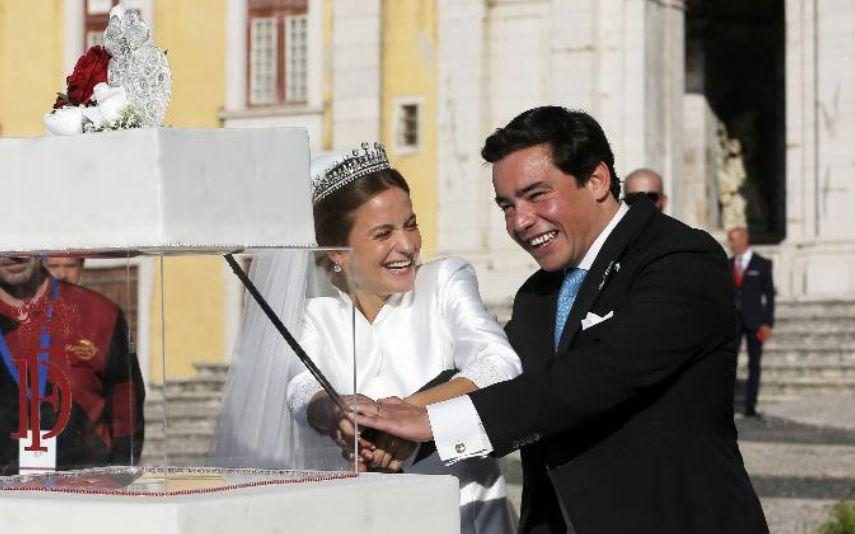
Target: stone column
{"x":818,"y":255}
{"x":621,"y":60}
{"x":652,"y":86}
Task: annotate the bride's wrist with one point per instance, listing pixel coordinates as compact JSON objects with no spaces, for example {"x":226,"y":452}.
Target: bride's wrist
{"x":321,"y":413}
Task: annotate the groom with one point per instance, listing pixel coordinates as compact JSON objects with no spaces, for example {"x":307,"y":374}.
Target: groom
{"x":627,"y":334}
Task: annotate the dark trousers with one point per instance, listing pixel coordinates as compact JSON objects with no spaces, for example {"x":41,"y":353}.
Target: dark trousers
{"x":755,"y":353}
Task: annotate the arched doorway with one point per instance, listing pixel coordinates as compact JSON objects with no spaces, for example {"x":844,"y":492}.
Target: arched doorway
{"x":735,"y":57}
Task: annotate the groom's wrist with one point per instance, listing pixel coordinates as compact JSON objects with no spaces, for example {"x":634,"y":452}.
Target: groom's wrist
{"x":457,"y":430}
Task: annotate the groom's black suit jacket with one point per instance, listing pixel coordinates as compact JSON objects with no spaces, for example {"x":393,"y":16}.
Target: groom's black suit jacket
{"x":628,"y":426}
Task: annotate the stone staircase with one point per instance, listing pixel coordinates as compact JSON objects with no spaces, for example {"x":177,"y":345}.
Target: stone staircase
{"x":812,"y":351}
{"x":194,"y":405}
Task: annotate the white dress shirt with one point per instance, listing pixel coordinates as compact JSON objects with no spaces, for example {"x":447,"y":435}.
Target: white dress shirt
{"x":441,"y":324}
{"x":744,"y":259}
{"x":457,"y":428}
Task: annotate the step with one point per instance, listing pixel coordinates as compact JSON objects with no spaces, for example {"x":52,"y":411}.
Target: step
{"x":787,"y":370}
{"x":184,"y":460}
{"x":182,"y":413}
{"x":817,"y":325}
{"x":807,"y":386}
{"x":198,"y":445}
{"x":192,"y":385}
{"x":156,"y":396}
{"x":784,"y":357}
{"x":808,"y":352}
{"x":802,"y":309}
{"x":811,"y":339}
{"x":207,"y":369}
{"x":186,"y":427}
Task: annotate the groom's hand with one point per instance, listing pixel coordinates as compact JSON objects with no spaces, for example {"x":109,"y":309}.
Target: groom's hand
{"x":394,"y":416}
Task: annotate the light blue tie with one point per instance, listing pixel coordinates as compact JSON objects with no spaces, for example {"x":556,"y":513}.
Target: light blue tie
{"x":569,"y":289}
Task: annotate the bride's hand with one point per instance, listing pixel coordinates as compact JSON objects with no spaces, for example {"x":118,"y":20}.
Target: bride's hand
{"x":327,"y":417}
{"x":390,"y":453}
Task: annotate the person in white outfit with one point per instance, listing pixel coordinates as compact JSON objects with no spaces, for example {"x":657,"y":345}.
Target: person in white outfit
{"x":412,"y":323}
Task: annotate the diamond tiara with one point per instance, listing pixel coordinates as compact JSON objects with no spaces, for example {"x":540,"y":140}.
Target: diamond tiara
{"x":361,"y":162}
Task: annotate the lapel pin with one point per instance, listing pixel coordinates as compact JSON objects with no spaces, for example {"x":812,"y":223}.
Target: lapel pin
{"x":606,"y":275}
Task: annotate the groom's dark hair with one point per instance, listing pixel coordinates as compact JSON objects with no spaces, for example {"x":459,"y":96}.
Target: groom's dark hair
{"x":577,"y":142}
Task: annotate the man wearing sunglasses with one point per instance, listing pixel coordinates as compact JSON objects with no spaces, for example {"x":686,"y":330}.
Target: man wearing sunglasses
{"x":645,"y":182}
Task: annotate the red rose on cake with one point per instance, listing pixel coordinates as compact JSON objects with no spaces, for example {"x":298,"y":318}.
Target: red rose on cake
{"x":90,"y":70}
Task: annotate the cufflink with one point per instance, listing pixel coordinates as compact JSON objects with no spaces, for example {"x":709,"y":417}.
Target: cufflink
{"x":460,"y":448}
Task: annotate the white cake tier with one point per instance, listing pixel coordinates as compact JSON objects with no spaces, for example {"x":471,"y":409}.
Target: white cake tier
{"x":369,"y":504}
{"x":157,"y":189}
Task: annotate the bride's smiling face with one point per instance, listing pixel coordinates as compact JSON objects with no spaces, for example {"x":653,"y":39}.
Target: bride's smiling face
{"x":386,"y":241}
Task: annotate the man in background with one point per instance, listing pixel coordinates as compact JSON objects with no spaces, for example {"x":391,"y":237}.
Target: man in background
{"x":645,"y":182}
{"x":65,"y":352}
{"x":755,"y":305}
{"x":65,"y":268}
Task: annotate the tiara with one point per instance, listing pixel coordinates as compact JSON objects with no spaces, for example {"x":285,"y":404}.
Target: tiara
{"x":361,"y":162}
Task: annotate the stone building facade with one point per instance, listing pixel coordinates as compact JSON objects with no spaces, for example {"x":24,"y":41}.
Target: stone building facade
{"x":694,"y":89}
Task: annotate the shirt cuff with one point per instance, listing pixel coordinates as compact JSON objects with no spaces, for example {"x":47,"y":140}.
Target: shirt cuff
{"x":457,"y":430}
{"x":299,"y":394}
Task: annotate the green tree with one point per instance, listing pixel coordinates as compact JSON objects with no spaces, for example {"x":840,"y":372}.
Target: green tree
{"x":841,"y":520}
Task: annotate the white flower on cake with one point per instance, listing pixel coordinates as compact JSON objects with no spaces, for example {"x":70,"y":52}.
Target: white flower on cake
{"x":124,"y":84}
{"x":65,"y":121}
{"x":111,"y":101}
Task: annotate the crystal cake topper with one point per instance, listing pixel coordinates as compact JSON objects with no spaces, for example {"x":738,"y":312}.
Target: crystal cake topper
{"x":124,"y":84}
{"x":138,"y":66}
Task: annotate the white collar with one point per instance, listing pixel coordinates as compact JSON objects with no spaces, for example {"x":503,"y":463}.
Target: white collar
{"x":594,"y":250}
{"x":745,"y":258}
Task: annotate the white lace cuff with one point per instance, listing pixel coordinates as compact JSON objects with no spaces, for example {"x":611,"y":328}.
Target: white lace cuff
{"x":485,"y":372}
{"x":301,"y":389}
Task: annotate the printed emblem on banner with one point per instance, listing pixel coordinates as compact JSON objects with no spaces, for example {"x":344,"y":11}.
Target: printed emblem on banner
{"x":85,"y":349}
{"x":30,"y":400}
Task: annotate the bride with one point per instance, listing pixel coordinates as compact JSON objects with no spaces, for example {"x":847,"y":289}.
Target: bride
{"x":412,"y":323}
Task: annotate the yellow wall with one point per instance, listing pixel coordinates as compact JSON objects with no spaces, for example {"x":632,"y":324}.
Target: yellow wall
{"x":195,"y":299}
{"x":31,"y":34}
{"x":195,"y":315}
{"x":409,"y":69}
{"x":193,"y":32}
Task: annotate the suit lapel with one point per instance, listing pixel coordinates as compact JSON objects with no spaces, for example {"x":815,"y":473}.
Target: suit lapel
{"x":622,"y":235}
{"x":752,"y":263}
{"x":540,"y":317}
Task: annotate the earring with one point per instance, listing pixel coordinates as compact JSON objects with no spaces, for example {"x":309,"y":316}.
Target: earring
{"x":336,"y":268}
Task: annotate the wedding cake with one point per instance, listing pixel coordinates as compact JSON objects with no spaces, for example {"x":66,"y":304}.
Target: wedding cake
{"x":157,"y":188}
{"x":111,"y":177}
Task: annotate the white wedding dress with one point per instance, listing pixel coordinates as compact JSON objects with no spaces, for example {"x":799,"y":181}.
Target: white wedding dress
{"x":440,"y":324}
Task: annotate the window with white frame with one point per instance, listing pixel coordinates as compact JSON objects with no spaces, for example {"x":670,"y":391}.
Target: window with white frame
{"x":99,"y":7}
{"x":263,"y":59}
{"x":296,"y":39}
{"x":96,"y":15}
{"x":277,"y":54}
{"x":408,"y":126}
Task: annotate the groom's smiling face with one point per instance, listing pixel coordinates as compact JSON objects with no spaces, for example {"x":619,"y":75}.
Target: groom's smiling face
{"x":546,"y":211}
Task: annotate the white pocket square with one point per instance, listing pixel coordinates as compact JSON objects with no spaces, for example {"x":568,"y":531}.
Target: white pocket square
{"x":592,"y":319}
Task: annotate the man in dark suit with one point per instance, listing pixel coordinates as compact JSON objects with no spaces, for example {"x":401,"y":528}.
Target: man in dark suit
{"x":624,"y":412}
{"x":755,"y":304}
